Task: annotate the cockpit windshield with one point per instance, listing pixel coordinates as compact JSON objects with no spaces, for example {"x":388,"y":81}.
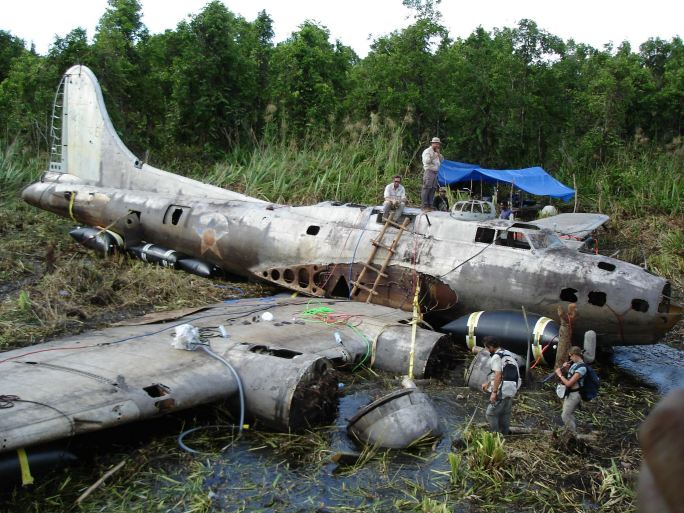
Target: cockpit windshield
{"x":544,"y":239}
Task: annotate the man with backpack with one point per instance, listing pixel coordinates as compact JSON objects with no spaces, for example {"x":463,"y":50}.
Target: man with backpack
{"x":575,"y":372}
{"x":503,"y":383}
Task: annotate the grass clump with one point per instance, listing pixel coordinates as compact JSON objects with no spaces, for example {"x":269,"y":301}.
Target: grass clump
{"x":485,"y":450}
{"x":653,"y":242}
{"x":432,"y":506}
{"x":612,"y":491}
{"x":636,"y":183}
{"x":90,"y":291}
{"x":17,"y":168}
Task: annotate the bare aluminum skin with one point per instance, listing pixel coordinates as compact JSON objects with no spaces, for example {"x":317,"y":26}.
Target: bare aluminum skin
{"x":120,"y":375}
{"x":318,"y":250}
{"x":127,"y":373}
{"x":397,"y":420}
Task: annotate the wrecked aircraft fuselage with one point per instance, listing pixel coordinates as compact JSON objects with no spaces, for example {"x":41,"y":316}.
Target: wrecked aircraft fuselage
{"x":322,"y":250}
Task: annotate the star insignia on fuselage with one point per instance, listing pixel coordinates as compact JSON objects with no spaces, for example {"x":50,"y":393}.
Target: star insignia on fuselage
{"x":212,"y":228}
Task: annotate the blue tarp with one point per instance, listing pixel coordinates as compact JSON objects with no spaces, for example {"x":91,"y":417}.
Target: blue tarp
{"x":531,"y":179}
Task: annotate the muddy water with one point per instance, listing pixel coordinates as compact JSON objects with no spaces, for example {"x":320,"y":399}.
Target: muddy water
{"x":658,"y":365}
{"x":261,"y":479}
{"x":268,"y":476}
{"x":264,"y":480}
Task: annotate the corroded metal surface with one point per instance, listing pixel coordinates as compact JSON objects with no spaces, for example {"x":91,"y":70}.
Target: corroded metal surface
{"x":396,"y":420}
{"x":123,"y":374}
{"x":319,"y":250}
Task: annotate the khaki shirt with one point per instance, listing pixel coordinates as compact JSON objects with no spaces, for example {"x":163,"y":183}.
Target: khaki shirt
{"x":432,"y":160}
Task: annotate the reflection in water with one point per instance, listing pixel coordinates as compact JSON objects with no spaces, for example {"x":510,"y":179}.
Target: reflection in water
{"x":659,"y":365}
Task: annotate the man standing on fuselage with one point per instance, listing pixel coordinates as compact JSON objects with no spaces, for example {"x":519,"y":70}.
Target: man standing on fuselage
{"x":432,"y":159}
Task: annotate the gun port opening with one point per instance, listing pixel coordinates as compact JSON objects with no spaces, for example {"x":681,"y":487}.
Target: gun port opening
{"x":640,"y":305}
{"x":174,"y":214}
{"x":569,"y":295}
{"x":597,"y":298}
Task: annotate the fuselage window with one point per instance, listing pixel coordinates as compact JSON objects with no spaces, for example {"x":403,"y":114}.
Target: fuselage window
{"x":606,"y":266}
{"x":512,"y":239}
{"x":597,"y":298}
{"x":174,"y":214}
{"x":543,"y":239}
{"x":485,"y":235}
{"x":640,"y":305}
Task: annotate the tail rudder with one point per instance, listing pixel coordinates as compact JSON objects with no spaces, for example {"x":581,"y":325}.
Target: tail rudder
{"x":86,"y":145}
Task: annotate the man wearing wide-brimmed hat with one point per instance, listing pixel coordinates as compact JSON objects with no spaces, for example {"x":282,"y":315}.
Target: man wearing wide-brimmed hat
{"x":432,"y":159}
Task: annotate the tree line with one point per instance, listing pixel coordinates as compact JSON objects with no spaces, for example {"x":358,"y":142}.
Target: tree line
{"x":512,"y":97}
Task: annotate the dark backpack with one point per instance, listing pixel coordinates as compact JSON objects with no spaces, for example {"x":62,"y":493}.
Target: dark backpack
{"x":590,"y":384}
{"x":509,"y":373}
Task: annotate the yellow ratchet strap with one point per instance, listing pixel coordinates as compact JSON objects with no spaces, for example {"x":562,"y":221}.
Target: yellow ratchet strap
{"x":473,"y":319}
{"x":537,"y":333}
{"x":26,"y":477}
{"x":72,"y":197}
{"x":414,"y":327}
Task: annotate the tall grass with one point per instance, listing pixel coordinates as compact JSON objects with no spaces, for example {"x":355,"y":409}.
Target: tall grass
{"x":17,"y":168}
{"x":635,"y":184}
{"x":613,"y":493}
{"x":353,"y":166}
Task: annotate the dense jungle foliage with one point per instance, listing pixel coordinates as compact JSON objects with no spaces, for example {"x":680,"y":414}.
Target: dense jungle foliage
{"x":218,"y":86}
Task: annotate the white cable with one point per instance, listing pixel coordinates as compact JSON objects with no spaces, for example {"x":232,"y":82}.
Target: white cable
{"x":225,"y":362}
{"x":241,"y":390}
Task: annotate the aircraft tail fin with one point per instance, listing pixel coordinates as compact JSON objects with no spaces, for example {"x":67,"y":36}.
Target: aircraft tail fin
{"x":86,"y":145}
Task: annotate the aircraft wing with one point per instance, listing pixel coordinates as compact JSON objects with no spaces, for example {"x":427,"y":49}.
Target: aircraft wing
{"x":576,"y":226}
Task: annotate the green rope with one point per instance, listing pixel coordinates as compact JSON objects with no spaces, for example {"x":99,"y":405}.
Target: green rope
{"x":324,"y":310}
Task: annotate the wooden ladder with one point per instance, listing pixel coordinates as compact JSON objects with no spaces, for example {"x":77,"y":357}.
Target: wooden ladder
{"x":380,"y":272}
